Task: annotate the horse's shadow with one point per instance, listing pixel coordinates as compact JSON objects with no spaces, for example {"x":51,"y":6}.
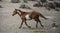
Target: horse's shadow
{"x":31,"y":28}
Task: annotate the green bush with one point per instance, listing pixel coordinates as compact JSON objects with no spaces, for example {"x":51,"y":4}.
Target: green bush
{"x":25,"y":1}
{"x":24,"y":6}
{"x":15,"y":1}
{"x":32,"y":0}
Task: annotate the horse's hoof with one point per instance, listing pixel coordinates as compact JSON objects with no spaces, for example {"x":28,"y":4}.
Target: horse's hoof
{"x":42,"y":25}
{"x":29,"y":26}
{"x":19,"y":27}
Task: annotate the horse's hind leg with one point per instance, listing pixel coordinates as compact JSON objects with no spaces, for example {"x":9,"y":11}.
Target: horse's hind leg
{"x":36,"y":22}
{"x":40,"y":22}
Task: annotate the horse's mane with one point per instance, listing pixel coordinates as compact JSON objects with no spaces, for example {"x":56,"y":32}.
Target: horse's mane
{"x":24,"y":12}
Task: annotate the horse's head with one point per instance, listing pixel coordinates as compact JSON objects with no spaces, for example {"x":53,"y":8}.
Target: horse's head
{"x":15,"y":12}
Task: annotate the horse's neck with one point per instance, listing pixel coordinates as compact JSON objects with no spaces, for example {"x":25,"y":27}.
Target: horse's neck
{"x":19,"y":13}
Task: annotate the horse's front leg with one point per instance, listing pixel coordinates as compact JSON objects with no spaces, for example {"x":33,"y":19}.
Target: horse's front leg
{"x":27,"y":25}
{"x":40,"y":22}
{"x":21,"y":24}
{"x":24,"y":20}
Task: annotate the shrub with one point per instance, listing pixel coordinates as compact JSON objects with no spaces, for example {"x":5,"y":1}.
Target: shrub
{"x":15,"y":1}
{"x":24,"y":6}
{"x":25,"y":1}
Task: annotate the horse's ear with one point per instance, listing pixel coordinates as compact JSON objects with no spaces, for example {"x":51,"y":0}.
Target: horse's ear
{"x":15,"y":9}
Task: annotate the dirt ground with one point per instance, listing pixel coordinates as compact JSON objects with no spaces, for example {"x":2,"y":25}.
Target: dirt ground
{"x":10,"y":24}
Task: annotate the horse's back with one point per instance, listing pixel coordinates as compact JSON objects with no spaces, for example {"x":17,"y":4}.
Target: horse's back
{"x":34,"y":14}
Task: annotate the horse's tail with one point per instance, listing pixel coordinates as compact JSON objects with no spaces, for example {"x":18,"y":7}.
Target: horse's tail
{"x":42,"y":16}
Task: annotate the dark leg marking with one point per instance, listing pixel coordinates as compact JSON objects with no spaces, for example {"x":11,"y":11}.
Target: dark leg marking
{"x":21,"y":24}
{"x":27,"y":25}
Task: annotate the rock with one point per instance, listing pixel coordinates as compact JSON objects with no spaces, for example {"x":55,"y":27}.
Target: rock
{"x":54,"y":25}
{"x":37,"y":5}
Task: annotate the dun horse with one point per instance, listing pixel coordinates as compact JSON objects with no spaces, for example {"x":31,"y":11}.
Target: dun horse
{"x":28,"y":16}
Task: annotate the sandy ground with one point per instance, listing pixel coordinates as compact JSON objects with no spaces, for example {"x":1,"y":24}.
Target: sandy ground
{"x":10,"y":24}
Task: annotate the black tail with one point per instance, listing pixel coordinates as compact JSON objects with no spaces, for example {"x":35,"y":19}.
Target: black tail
{"x":42,"y":16}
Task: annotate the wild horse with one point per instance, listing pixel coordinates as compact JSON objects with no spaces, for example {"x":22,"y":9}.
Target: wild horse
{"x":28,"y":16}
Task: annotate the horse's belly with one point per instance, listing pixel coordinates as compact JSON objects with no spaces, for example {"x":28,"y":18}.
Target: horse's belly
{"x":27,"y":17}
